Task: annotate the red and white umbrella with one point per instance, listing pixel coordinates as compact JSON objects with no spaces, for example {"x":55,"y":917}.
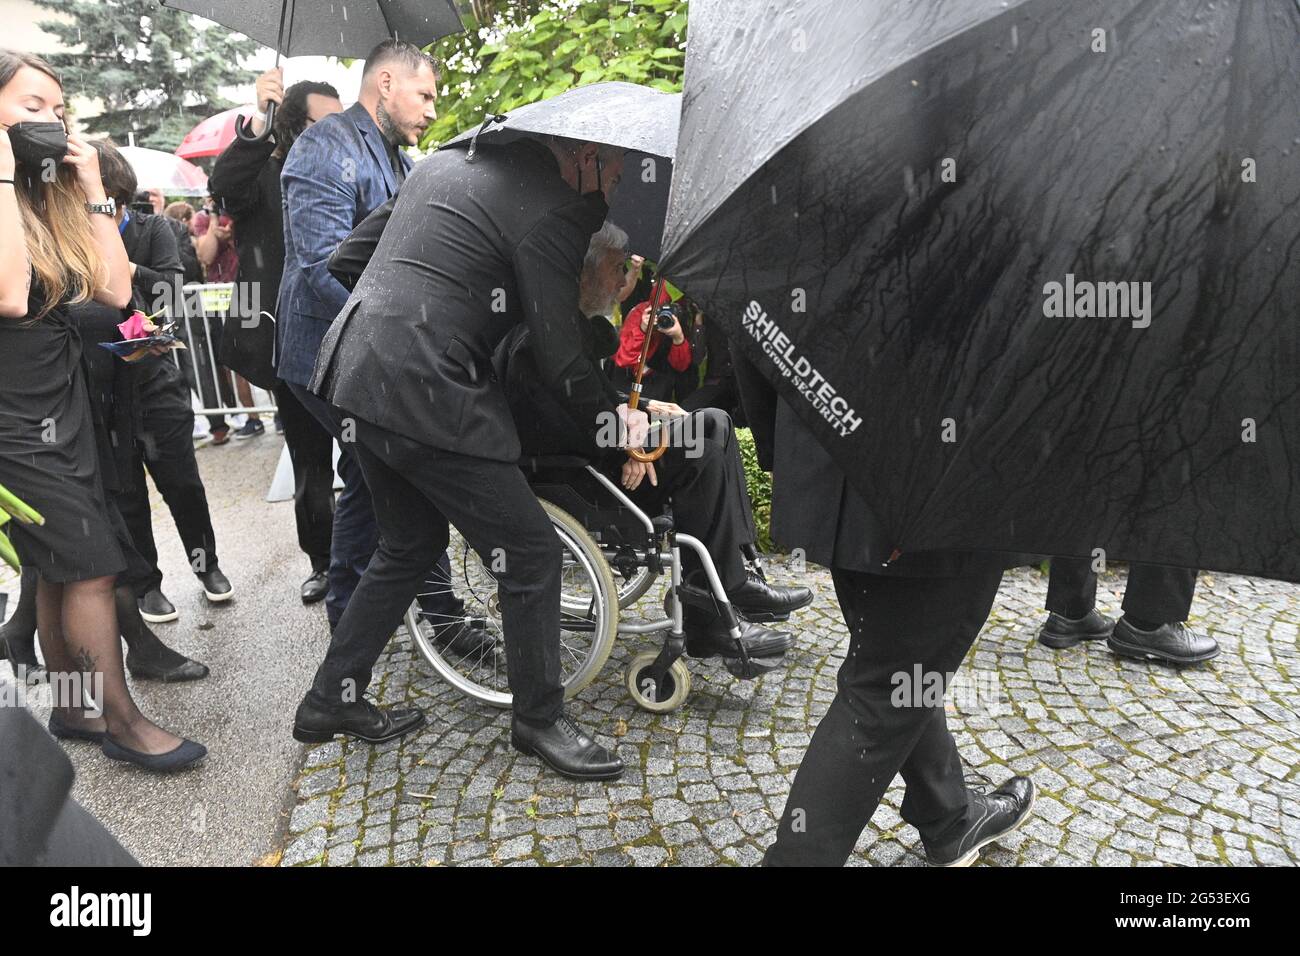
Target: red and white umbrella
{"x":166,"y":172}
{"x":212,"y":135}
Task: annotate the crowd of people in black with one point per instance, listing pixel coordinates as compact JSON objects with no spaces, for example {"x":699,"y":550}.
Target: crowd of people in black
{"x":380,"y":283}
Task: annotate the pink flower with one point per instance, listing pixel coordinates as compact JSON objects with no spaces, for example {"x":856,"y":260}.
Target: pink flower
{"x":137,"y":326}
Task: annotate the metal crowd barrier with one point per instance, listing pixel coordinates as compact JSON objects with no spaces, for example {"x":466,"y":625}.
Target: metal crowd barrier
{"x":205,"y":310}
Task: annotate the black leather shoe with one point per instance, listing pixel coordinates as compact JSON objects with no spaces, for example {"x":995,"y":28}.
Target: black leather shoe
{"x":991,"y":815}
{"x":22,"y":659}
{"x":177,"y":673}
{"x":715,"y":641}
{"x":756,"y":597}
{"x":1061,"y":631}
{"x":216,"y":587}
{"x":464,"y":640}
{"x":156,"y":609}
{"x":566,"y":749}
{"x":314,"y":724}
{"x":186,"y":754}
{"x":1175,"y":643}
{"x":67,"y":732}
{"x":315,"y":587}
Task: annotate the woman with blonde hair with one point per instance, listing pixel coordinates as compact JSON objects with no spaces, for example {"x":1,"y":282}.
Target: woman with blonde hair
{"x":60,"y":246}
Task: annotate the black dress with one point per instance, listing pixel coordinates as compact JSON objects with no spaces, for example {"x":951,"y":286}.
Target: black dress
{"x":48,"y":453}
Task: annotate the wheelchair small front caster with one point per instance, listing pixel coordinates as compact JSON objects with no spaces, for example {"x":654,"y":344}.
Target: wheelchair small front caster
{"x":659,"y":697}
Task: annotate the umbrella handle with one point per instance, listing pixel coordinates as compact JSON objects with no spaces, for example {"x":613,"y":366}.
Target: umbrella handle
{"x":244,"y":126}
{"x":634,"y":399}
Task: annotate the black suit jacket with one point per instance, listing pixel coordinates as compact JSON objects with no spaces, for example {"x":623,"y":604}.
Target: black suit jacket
{"x":465,"y":252}
{"x":815,"y":508}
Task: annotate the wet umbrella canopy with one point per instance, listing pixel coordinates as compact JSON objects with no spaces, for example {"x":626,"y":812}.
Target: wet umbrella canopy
{"x":642,"y":120}
{"x":1028,"y":270}
{"x":330,"y":27}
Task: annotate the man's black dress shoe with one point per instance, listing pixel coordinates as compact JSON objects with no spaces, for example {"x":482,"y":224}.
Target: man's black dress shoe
{"x":715,"y":641}
{"x":216,"y":586}
{"x":155,"y":608}
{"x":566,"y":749}
{"x":177,"y":673}
{"x":464,"y":640}
{"x":314,"y":724}
{"x":991,"y":815}
{"x":756,"y":597}
{"x":1060,"y":631}
{"x":186,"y":754}
{"x":1175,"y":643}
{"x":315,"y":587}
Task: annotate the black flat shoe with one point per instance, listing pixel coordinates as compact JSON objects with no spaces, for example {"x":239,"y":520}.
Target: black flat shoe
{"x":566,"y":749}
{"x":186,"y":670}
{"x":186,"y":754}
{"x":216,"y":586}
{"x":66,"y":732}
{"x":155,"y":608}
{"x":22,"y":659}
{"x":1174,"y":643}
{"x":991,"y":815}
{"x":315,"y":587}
{"x":314,"y":724}
{"x":1061,"y":632}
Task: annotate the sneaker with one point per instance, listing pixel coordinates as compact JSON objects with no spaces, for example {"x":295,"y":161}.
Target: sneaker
{"x":220,"y":435}
{"x":253,"y":428}
{"x":1061,"y":631}
{"x":991,"y":815}
{"x":279,"y":425}
{"x":1174,"y":643}
{"x":155,"y":608}
{"x":216,"y":586}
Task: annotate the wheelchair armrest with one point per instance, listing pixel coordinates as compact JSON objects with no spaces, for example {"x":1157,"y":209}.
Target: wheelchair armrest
{"x":535,"y":463}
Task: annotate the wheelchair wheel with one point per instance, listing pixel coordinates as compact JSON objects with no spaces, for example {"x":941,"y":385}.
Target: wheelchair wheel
{"x":588,"y":616}
{"x":630,"y":590}
{"x":658,"y":700}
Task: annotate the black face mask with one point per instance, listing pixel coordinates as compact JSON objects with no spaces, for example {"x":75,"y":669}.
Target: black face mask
{"x":34,"y":143}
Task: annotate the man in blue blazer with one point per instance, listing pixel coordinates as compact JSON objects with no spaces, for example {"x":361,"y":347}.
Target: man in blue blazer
{"x":336,"y":173}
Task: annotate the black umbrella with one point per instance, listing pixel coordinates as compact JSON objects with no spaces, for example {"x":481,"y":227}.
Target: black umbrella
{"x":909,"y":212}
{"x":349,"y":28}
{"x":642,"y":120}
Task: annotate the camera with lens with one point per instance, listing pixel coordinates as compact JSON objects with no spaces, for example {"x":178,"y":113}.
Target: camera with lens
{"x":667,"y":313}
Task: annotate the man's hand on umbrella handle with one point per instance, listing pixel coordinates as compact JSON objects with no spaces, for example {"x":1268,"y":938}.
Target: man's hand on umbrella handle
{"x":270,"y":89}
{"x":636,"y":426}
{"x":634,"y":471}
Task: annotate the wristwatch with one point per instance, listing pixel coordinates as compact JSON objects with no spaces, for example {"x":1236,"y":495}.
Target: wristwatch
{"x":108,"y":208}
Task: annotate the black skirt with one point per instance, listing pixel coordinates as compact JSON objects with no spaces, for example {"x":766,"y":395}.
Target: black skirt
{"x":48,"y":452}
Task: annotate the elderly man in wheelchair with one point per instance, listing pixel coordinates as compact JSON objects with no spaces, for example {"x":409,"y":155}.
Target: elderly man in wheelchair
{"x":700,"y":477}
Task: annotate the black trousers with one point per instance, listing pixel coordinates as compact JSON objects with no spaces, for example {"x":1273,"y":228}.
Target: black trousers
{"x":418,"y":492}
{"x":703,"y":478}
{"x":1155,"y":594}
{"x":871,"y":732}
{"x":311,"y":448}
{"x":165,"y":446}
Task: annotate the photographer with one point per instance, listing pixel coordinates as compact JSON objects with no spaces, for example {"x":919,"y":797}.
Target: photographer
{"x":660,"y":379}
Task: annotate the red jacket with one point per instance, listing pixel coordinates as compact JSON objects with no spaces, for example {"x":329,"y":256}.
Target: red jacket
{"x":630,"y":339}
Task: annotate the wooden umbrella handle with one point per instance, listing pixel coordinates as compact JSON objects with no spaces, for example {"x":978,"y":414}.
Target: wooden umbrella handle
{"x":634,"y":399}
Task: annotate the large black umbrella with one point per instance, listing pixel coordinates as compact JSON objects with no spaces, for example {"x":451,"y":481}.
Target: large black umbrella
{"x":349,"y":28}
{"x":642,"y":120}
{"x":908,"y":212}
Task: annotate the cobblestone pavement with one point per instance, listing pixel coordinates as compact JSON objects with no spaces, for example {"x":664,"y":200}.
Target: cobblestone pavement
{"x":1136,"y":763}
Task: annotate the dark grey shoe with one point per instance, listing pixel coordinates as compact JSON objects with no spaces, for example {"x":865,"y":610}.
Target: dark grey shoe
{"x":1175,"y":643}
{"x":216,"y":586}
{"x":991,"y":815}
{"x":315,"y":587}
{"x":1061,"y":631}
{"x":155,"y":608}
{"x":316,"y":724}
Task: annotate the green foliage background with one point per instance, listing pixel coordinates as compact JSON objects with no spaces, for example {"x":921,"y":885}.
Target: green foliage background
{"x":524,"y":52}
{"x":759,"y":483}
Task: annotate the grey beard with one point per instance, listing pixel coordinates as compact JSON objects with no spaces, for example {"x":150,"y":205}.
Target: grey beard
{"x":603,"y":310}
{"x":387,"y":128}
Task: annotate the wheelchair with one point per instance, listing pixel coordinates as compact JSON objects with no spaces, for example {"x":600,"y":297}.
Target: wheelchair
{"x":612,"y":554}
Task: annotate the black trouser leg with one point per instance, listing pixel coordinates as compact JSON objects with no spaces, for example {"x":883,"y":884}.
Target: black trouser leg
{"x":167,"y":448}
{"x":701,"y":474}
{"x":1156,"y":594}
{"x":416,"y":491}
{"x":881,"y":722}
{"x":311,"y":449}
{"x":1071,"y":587}
{"x":133,"y":504}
